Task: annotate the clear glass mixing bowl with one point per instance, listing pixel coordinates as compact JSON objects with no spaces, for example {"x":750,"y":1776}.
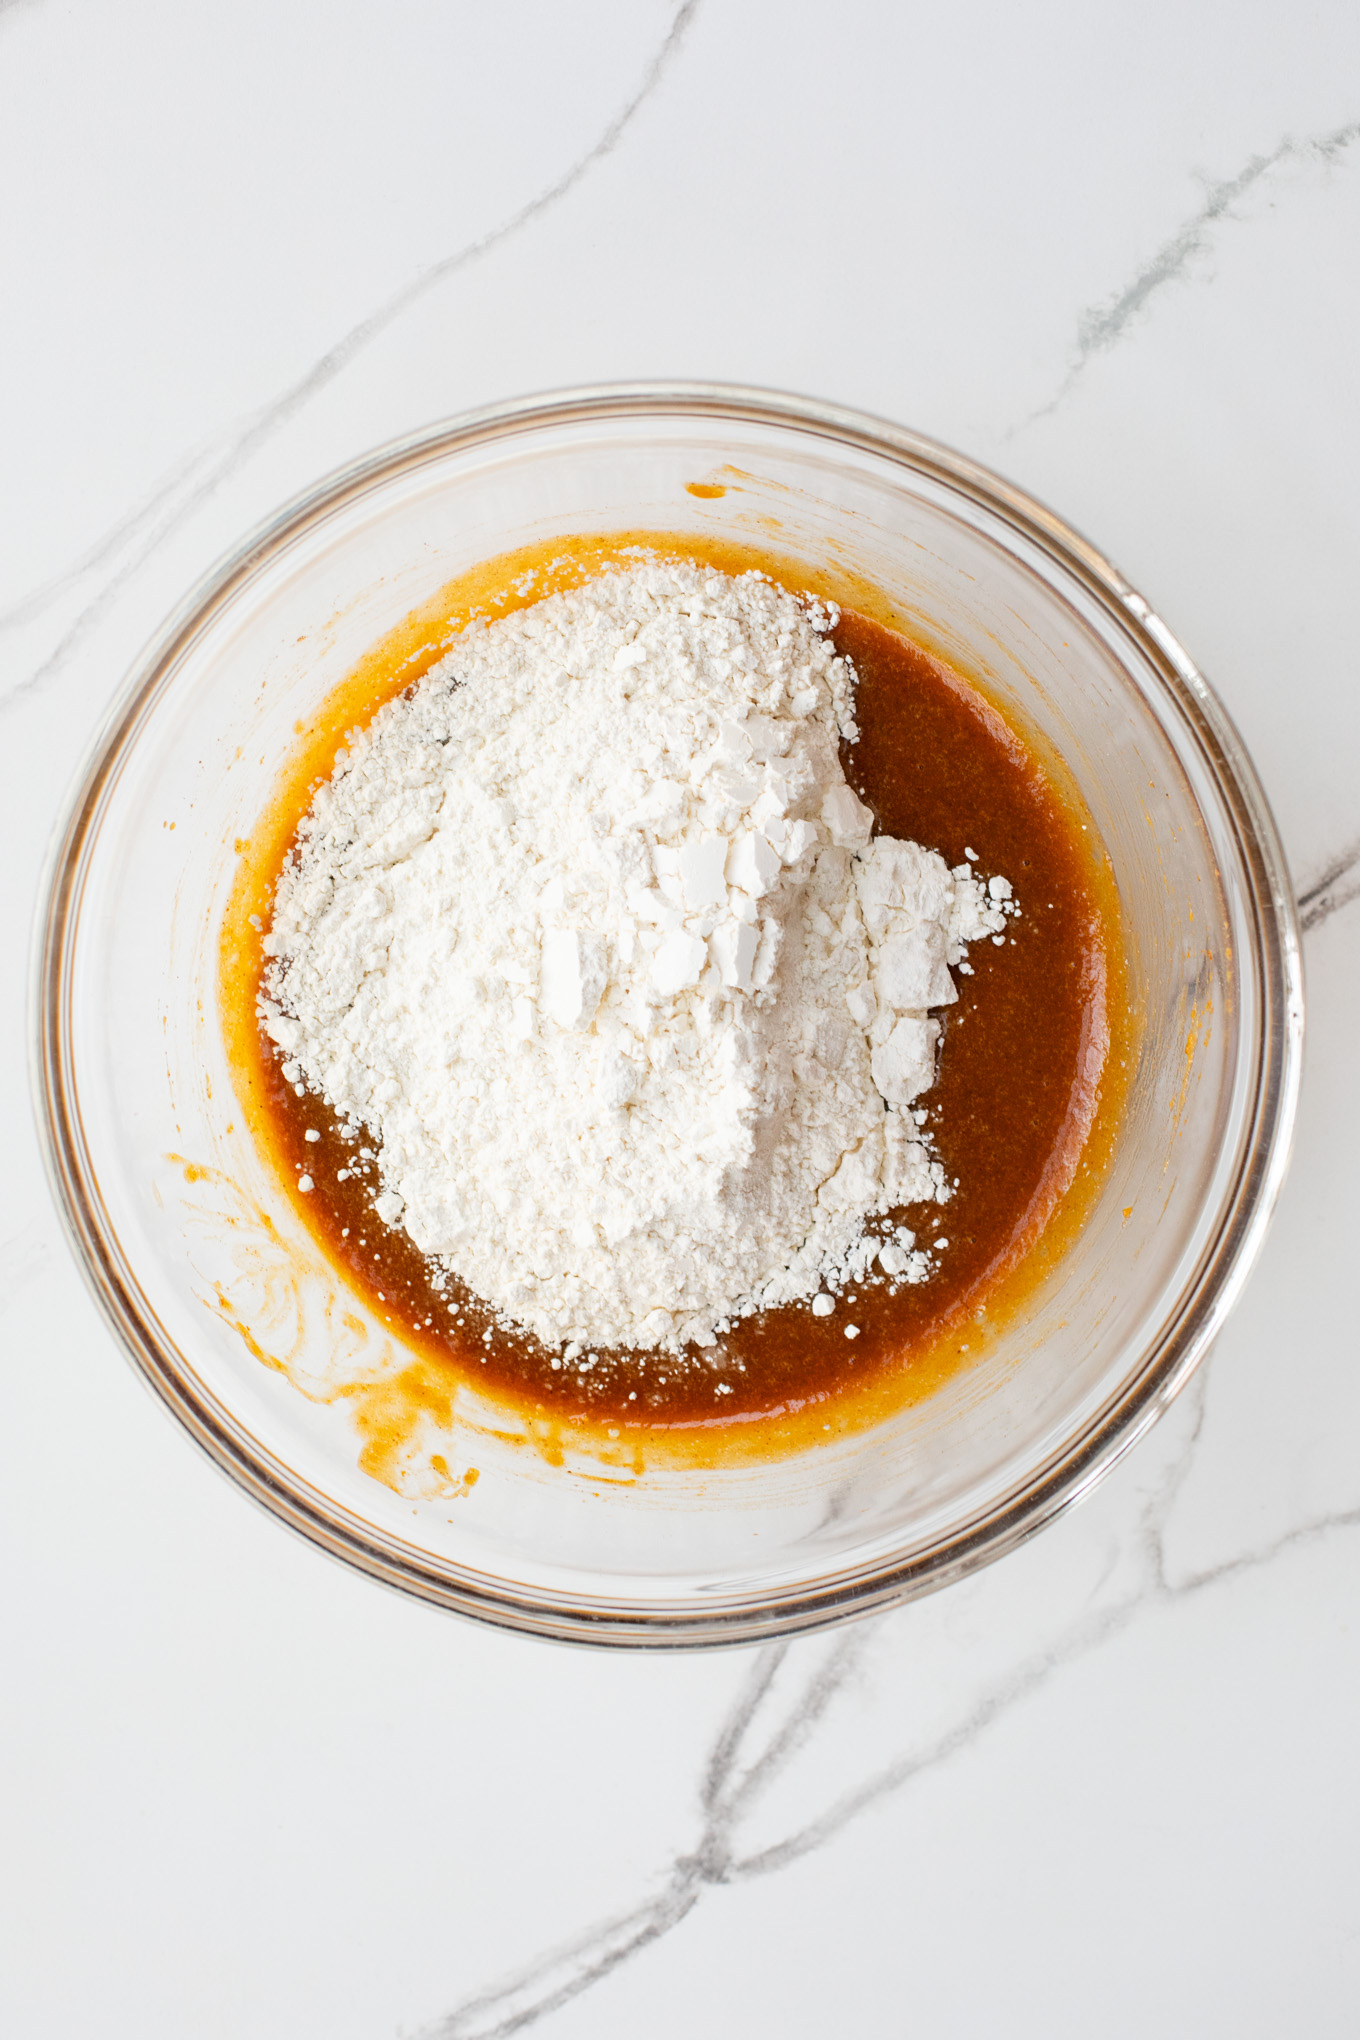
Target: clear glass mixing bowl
{"x":194,"y":1252}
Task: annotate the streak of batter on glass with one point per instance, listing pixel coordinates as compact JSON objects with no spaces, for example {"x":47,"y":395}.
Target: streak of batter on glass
{"x":1022,"y":1113}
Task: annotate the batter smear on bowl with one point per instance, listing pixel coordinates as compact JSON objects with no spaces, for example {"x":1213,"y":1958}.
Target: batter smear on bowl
{"x":610,"y":998}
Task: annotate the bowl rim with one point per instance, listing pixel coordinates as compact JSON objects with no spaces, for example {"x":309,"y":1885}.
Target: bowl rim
{"x":1034,"y":1500}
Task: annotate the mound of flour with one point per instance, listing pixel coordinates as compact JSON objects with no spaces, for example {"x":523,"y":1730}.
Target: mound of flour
{"x":588,"y":935}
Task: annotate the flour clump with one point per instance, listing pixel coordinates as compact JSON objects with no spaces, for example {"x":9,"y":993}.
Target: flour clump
{"x":590,"y":938}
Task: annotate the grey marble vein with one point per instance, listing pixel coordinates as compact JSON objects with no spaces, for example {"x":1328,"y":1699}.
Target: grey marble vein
{"x":742,"y":1766}
{"x":732,"y":1778}
{"x":1103,"y":325}
{"x":1337,"y":887}
{"x":1088,"y":1634}
{"x":24,"y":1256}
{"x":552,"y":1981}
{"x":112,"y":541}
{"x":262,"y":425}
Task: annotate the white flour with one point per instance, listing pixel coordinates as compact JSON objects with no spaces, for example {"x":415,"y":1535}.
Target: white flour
{"x":589,"y":937}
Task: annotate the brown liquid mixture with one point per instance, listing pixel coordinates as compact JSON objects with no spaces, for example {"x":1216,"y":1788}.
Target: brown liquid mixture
{"x":1011,"y":1111}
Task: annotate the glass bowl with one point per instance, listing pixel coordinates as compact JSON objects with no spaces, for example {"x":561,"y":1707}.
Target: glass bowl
{"x":243,"y":1328}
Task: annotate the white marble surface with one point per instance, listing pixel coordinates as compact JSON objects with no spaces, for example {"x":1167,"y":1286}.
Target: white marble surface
{"x":1109,"y":1786}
